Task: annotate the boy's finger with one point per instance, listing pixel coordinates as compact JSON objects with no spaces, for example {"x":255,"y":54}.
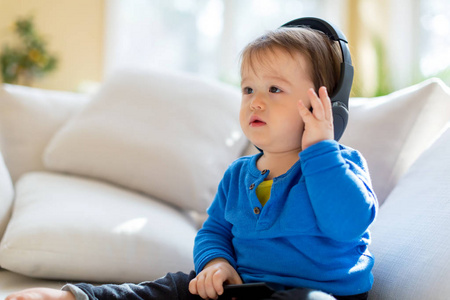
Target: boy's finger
{"x":193,"y":286}
{"x":326,"y":102}
{"x":209,"y":287}
{"x":316,"y":104}
{"x":201,"y":287}
{"x":218,"y":281}
{"x":304,"y":112}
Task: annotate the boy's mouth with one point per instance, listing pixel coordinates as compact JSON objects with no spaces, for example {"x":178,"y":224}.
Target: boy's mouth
{"x":256,"y":121}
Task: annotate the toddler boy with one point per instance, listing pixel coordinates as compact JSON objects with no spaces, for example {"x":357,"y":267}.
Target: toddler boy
{"x":295,"y":215}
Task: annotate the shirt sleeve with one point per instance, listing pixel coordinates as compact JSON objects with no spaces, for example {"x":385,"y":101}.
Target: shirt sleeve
{"x":214,"y":239}
{"x":76,"y":291}
{"x":339,"y":186}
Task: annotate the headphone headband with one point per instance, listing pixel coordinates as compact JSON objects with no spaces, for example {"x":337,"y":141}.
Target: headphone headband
{"x":341,"y":94}
{"x":318,"y":24}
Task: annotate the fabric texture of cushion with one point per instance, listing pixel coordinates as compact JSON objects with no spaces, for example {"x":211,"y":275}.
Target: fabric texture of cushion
{"x":410,"y":235}
{"x":65,"y":227}
{"x":6,"y":196}
{"x":393,"y":130}
{"x":29,"y":117}
{"x":169,"y":135}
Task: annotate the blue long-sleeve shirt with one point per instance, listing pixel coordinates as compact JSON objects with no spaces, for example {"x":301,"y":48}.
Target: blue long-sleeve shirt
{"x":313,"y":231}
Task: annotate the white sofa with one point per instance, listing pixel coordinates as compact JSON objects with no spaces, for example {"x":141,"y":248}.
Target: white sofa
{"x":112,"y":187}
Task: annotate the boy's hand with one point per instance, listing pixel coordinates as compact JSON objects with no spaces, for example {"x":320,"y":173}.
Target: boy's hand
{"x":41,"y":294}
{"x":318,"y":124}
{"x":209,"y":283}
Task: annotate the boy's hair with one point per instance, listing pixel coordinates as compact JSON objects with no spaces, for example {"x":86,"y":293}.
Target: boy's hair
{"x":322,"y":54}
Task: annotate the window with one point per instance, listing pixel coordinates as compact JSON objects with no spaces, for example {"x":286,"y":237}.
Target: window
{"x":201,"y":36}
{"x":435,"y":39}
{"x":394,"y":43}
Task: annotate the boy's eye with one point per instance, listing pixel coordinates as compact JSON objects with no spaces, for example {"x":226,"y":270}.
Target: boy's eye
{"x":274,"y":89}
{"x":247,"y":90}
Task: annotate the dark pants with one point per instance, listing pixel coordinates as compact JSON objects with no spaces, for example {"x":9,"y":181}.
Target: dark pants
{"x":175,"y":286}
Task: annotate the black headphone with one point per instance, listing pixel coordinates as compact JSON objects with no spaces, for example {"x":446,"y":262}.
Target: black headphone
{"x":341,"y":95}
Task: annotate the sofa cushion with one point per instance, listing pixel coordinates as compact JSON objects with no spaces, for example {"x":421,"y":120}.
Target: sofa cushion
{"x":393,"y":130}
{"x":29,"y":117}
{"x":410,"y":236}
{"x":71,"y":228}
{"x":169,"y":135}
{"x":6,"y":196}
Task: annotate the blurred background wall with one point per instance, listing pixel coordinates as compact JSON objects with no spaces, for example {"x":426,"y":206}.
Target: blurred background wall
{"x":394,"y":43}
{"x":74,"y":30}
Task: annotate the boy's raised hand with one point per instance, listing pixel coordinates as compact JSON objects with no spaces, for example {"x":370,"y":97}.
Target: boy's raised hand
{"x":318,"y":124}
{"x":41,"y":294}
{"x":209,"y":283}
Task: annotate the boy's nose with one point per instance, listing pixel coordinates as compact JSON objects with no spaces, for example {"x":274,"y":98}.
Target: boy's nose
{"x":257,"y":103}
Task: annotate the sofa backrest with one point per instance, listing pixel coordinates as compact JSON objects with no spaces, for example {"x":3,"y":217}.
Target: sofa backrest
{"x":393,"y":130}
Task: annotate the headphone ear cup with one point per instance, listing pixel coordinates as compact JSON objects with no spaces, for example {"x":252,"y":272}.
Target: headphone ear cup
{"x":340,"y":119}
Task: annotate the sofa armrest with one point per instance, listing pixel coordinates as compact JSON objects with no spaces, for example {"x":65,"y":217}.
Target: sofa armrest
{"x":409,"y":237}
{"x":6,"y":196}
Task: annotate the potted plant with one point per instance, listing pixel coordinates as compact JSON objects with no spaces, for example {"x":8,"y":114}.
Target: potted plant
{"x":29,"y":59}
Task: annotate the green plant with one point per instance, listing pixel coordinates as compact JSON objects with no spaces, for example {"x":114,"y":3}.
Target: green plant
{"x":30,"y":59}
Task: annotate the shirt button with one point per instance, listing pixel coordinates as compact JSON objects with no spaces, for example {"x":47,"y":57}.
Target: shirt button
{"x":256,"y":210}
{"x":252,"y":186}
{"x":264,"y":171}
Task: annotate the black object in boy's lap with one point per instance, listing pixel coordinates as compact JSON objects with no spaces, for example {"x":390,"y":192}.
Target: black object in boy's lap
{"x":246,"y":291}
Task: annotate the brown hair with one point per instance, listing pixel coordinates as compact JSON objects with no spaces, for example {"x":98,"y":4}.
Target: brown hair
{"x":323,"y":55}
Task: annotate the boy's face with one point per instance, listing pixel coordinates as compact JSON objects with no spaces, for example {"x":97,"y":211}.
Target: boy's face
{"x":269,"y":115}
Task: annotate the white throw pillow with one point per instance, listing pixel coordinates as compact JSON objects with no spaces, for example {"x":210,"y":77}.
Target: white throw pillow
{"x":29,"y":117}
{"x":6,"y":196}
{"x":65,"y":227}
{"x":169,"y":135}
{"x":410,"y":237}
{"x":393,"y":130}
